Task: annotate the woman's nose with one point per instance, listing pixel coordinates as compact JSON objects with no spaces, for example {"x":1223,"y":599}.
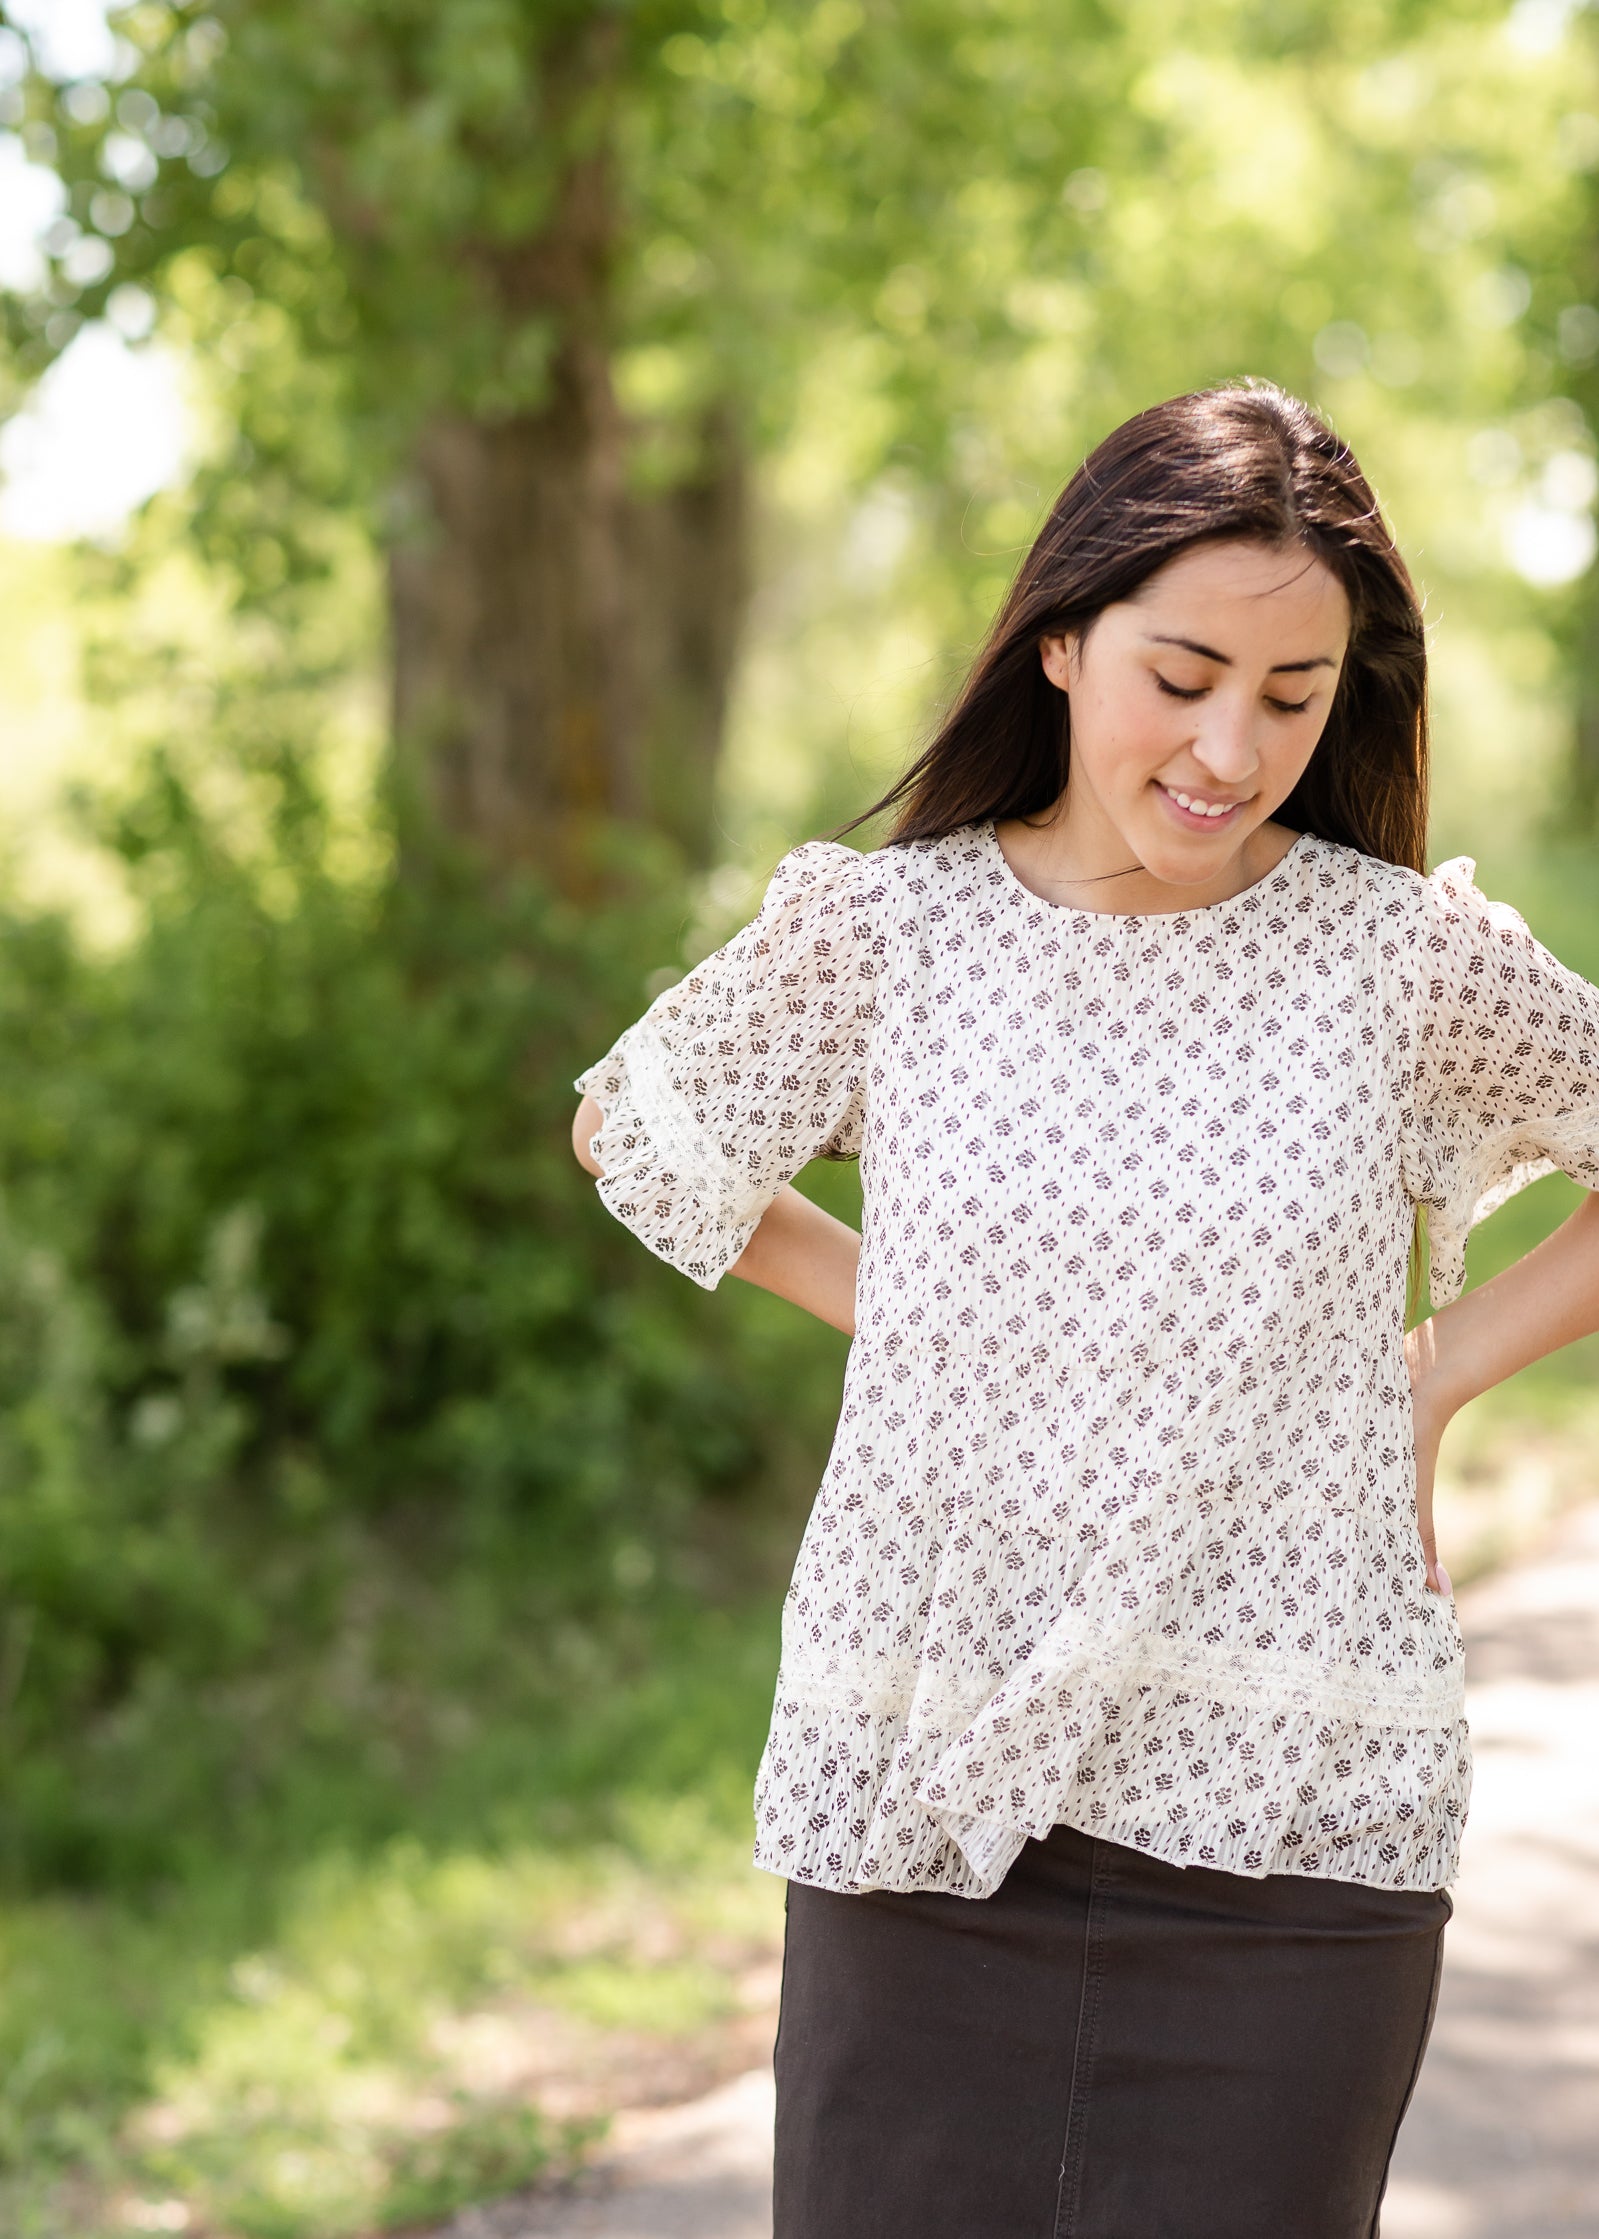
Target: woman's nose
{"x":1225,"y":746}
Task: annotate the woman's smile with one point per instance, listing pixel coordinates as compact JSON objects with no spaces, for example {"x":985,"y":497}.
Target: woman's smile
{"x":1194,"y":706}
{"x":1197,"y":811}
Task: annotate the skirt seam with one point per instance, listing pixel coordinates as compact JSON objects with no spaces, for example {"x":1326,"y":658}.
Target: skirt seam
{"x":1068,"y":2198}
{"x":1374,"y":2228}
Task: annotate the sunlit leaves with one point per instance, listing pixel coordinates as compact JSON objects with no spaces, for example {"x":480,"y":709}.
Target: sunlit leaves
{"x":1004,"y":225}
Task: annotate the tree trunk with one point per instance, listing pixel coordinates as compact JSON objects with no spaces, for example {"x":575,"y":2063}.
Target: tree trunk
{"x":687,"y":572}
{"x":512,"y":716}
{"x":561,"y":647}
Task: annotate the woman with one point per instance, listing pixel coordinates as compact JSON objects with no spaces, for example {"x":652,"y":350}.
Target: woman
{"x":1117,"y":1765}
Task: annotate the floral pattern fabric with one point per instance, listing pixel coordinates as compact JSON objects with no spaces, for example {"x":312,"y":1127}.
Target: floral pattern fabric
{"x":1118,"y":1528}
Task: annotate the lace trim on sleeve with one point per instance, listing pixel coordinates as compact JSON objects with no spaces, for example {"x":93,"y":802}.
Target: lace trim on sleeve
{"x":1474,"y":1173}
{"x":746,"y":1069}
{"x":1501,"y":1165}
{"x":660,"y":1176}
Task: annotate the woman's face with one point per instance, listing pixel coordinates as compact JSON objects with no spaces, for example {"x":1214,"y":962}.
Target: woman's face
{"x":1196,"y":703}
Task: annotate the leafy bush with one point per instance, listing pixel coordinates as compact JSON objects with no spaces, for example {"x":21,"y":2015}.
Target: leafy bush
{"x":294,"y":1256}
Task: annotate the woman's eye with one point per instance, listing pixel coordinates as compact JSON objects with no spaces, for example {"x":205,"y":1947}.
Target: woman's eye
{"x":1292,"y":707}
{"x":1176,"y":691}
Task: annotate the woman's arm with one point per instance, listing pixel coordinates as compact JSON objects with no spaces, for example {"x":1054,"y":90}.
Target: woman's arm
{"x":1546,"y":1300}
{"x":798,"y":1251}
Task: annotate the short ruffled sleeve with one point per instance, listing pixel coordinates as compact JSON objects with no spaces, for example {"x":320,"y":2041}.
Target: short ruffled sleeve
{"x":1506,"y":1082}
{"x":747,"y":1069}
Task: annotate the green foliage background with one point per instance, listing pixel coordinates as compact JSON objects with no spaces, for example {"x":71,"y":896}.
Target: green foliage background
{"x":389,"y":1548}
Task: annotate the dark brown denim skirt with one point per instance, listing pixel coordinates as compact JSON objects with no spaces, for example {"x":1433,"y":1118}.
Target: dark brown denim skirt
{"x":1108,"y":2048}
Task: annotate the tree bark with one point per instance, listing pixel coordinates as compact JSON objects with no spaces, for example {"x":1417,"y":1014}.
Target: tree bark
{"x":687,"y":572}
{"x":562,"y":645}
{"x":511,"y":717}
{"x":562,"y":648}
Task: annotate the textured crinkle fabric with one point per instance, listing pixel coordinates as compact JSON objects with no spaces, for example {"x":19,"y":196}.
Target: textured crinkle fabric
{"x":1507,"y":1067}
{"x":743,"y":1072}
{"x":1118,"y":1528}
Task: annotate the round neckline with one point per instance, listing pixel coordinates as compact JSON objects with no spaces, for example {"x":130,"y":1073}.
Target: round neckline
{"x":1135,"y":917}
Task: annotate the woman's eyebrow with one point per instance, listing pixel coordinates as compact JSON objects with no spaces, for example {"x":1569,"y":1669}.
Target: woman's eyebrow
{"x":1209,"y":653}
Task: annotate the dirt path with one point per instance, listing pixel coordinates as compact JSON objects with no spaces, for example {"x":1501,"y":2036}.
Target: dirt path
{"x":1503,"y":2139}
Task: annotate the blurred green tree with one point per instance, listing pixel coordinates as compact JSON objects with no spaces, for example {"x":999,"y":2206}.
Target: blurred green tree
{"x":1571,"y":338}
{"x":434,"y":236}
{"x":529,"y":279}
{"x":534,"y":281}
{"x":413,"y":217}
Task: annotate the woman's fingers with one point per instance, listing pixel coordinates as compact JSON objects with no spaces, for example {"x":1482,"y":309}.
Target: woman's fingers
{"x":1438,"y":1580}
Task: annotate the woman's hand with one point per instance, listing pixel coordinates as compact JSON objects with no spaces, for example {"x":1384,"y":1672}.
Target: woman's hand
{"x":1548,"y":1299}
{"x":1430,"y":1412}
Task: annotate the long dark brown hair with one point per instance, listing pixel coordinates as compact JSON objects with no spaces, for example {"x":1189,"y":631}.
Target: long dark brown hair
{"x":1245,"y":461}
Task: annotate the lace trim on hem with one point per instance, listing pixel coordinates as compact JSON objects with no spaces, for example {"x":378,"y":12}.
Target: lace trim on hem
{"x":1356,"y":1859}
{"x":1254,"y":1686}
{"x":851,"y":1802}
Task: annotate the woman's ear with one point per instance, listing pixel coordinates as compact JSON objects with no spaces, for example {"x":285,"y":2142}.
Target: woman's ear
{"x":1056,"y":655}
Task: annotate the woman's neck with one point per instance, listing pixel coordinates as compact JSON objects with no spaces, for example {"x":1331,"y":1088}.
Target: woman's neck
{"x":1072,"y":854}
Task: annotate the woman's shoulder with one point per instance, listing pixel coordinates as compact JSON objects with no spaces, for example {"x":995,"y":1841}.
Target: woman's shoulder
{"x":830,"y":903}
{"x":819,"y":872}
{"x":1423,"y":908}
{"x":822,"y":874}
{"x":1389,"y":900}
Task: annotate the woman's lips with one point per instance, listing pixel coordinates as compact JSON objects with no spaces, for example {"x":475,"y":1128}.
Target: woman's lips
{"x":1198,"y":819}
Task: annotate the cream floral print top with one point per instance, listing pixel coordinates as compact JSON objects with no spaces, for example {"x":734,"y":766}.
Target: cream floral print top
{"x":1118,"y":1527}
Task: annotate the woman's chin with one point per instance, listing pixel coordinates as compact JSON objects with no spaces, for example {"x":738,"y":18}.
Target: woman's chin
{"x":1186,"y":861}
